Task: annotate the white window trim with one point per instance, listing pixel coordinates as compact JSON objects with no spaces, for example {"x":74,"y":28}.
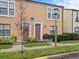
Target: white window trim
{"x":41,"y":38}
{"x":8,"y":9}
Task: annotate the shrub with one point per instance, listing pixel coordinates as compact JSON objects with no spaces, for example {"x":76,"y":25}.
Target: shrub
{"x":46,"y":36}
{"x":30,"y":39}
{"x":4,"y":40}
{"x":8,"y":39}
{"x":65,"y":37}
{"x":13,"y":38}
{"x":52,"y":37}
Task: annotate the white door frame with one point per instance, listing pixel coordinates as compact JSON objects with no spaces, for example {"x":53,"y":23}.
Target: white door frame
{"x":41,"y":34}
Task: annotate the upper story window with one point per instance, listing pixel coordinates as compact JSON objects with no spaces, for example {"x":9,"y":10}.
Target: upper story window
{"x":11,"y":8}
{"x":49,"y":13}
{"x":53,"y":14}
{"x":77,"y":17}
{"x":6,"y":8}
{"x":3,"y":8}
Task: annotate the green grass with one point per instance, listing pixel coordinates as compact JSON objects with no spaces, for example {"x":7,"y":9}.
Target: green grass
{"x":34,"y":44}
{"x":5,"y":46}
{"x":70,"y":41}
{"x":38,"y":53}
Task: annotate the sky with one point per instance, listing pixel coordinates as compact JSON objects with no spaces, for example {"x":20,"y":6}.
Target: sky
{"x":69,"y":4}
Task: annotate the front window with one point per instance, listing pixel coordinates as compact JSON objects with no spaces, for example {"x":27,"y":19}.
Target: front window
{"x":76,"y":29}
{"x":6,"y":8}
{"x":4,"y":30}
{"x":52,"y":30}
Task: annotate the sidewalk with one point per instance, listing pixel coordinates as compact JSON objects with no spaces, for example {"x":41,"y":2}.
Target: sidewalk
{"x":18,"y":48}
{"x":67,"y":44}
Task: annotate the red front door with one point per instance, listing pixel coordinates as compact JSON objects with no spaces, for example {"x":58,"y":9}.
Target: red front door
{"x":25,"y":30}
{"x":37,"y":31}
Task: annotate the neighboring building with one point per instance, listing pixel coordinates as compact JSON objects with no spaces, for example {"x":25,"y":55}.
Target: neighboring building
{"x":39,"y":18}
{"x":67,"y":21}
{"x":75,"y":21}
{"x":71,"y":21}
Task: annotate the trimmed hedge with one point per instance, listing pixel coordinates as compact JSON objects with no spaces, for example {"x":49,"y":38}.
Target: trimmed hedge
{"x":65,"y":37}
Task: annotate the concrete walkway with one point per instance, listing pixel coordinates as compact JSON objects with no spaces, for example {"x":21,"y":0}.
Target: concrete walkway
{"x":18,"y":47}
{"x":67,"y":44}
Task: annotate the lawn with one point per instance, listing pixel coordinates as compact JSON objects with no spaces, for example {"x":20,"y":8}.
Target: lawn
{"x":34,"y":44}
{"x":5,"y":46}
{"x":70,"y":41}
{"x":38,"y":53}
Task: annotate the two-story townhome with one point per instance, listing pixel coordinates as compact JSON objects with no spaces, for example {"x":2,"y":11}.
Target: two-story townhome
{"x":38,"y":18}
{"x":71,"y":21}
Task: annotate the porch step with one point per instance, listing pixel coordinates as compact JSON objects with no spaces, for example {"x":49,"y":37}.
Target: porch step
{"x":49,"y":41}
{"x":17,"y":43}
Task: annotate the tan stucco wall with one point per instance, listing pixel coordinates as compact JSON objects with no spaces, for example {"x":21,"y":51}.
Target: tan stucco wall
{"x":67,"y":21}
{"x":39,"y":12}
{"x":36,"y":10}
{"x":11,"y":21}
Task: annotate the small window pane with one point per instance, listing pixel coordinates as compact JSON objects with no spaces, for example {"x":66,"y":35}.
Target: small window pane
{"x":3,"y":8}
{"x":1,"y":33}
{"x":53,"y":12}
{"x":3,"y":11}
{"x":49,"y":13}
{"x":6,"y":33}
{"x":77,"y":17}
{"x":11,"y":8}
{"x":55,"y":16}
{"x":3,"y":4}
{"x":11,"y":5}
{"x":52,"y":30}
{"x":49,"y":10}
{"x":77,"y":29}
{"x":6,"y":27}
{"x":11,"y":11}
{"x":1,"y":27}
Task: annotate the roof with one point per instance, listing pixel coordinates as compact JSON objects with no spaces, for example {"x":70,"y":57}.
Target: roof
{"x":46,"y":4}
{"x":72,"y":9}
